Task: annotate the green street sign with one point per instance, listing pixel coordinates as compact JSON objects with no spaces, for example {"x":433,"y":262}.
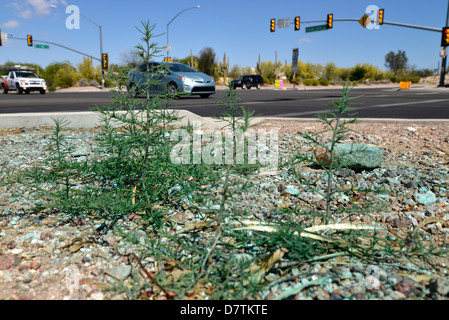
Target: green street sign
{"x":316,"y":28}
{"x":42,"y":46}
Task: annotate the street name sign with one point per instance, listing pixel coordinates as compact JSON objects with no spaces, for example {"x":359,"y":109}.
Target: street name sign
{"x":316,"y":28}
{"x":42,"y":46}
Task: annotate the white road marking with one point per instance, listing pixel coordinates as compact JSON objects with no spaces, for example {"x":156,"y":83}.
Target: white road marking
{"x":292,"y":114}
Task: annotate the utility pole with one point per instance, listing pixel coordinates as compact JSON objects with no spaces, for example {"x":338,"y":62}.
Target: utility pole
{"x":444,"y":60}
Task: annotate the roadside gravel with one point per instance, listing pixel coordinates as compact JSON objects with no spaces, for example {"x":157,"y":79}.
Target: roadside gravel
{"x":46,"y":255}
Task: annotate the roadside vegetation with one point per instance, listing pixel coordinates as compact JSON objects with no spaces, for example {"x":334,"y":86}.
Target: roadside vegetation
{"x":64,"y":74}
{"x":231,"y":253}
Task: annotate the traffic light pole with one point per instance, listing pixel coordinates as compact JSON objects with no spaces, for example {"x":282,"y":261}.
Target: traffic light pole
{"x":101,"y":55}
{"x":444,"y":60}
{"x":406,"y":25}
{"x":56,"y":44}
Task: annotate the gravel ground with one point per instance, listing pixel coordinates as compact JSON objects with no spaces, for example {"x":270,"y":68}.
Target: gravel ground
{"x":50,"y":256}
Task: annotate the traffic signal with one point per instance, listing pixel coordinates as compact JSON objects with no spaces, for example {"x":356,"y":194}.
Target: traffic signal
{"x":272,"y":25}
{"x":170,"y":60}
{"x":445,"y":37}
{"x":330,"y":21}
{"x":380,"y":19}
{"x":297,"y":21}
{"x":105,"y":61}
{"x":30,"y":40}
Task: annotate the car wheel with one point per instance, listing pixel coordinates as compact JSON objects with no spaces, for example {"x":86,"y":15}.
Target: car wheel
{"x":258,"y":86}
{"x":27,"y":91}
{"x":204,"y":96}
{"x":42,"y":91}
{"x":5,"y":91}
{"x":19,"y":90}
{"x":172,"y":88}
{"x":248,"y":86}
{"x":243,"y":85}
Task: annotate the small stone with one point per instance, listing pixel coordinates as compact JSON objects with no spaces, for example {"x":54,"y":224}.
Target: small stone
{"x":120,"y":272}
{"x":36,"y":264}
{"x":399,"y":295}
{"x":358,"y":156}
{"x":323,"y":295}
{"x":6,"y":262}
{"x":401,"y":223}
{"x":405,"y":286}
{"x":27,"y":277}
{"x":440,"y":286}
{"x":86,"y":259}
{"x":281,"y":188}
{"x":97,"y":296}
{"x":412,"y":184}
{"x":292,"y":190}
{"x":410,"y":202}
{"x":427,"y":198}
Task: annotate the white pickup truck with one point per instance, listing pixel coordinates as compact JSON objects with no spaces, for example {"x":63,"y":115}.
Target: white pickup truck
{"x":22,"y":80}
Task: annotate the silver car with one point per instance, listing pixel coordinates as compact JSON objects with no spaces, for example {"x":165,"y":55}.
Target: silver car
{"x":170,"y":77}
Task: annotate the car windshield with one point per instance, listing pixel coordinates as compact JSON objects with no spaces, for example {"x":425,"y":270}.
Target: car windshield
{"x":180,"y":68}
{"x":26,"y":75}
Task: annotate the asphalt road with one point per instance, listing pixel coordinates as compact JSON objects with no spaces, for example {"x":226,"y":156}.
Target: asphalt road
{"x":381,"y":103}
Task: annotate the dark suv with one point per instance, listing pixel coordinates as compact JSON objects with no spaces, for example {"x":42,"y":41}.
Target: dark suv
{"x":248,"y":81}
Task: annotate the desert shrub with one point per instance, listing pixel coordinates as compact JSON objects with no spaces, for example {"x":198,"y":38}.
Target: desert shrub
{"x":94,"y":83}
{"x":310,"y":82}
{"x":83,"y":82}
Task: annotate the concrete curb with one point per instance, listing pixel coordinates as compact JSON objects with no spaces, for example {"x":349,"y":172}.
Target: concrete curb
{"x":85,"y":119}
{"x":90,"y":119}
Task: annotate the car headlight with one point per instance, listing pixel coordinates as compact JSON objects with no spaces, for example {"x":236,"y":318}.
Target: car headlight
{"x":23,"y":82}
{"x":186,"y":80}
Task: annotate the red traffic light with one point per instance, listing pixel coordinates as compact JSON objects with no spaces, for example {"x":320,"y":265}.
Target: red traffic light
{"x":445,"y":37}
{"x":381,"y":16}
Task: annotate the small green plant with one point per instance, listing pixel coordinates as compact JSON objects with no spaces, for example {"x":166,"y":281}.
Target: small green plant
{"x":324,"y":82}
{"x":220,"y":254}
{"x":310,"y":82}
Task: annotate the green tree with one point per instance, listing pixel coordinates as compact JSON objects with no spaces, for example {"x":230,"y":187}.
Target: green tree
{"x":396,"y":62}
{"x":358,"y":73}
{"x":268,"y":71}
{"x":86,"y":69}
{"x":206,"y":61}
{"x":235,"y":71}
{"x":330,"y":71}
{"x":60,"y":74}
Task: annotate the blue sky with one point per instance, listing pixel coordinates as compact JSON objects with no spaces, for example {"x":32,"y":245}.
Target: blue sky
{"x":239,"y":28}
